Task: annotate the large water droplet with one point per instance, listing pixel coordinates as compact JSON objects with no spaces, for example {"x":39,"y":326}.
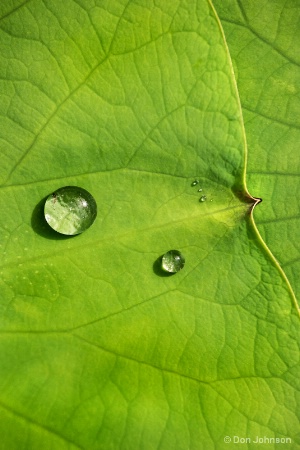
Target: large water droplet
{"x":172,"y":261}
{"x":194,"y":183}
{"x":203,"y":198}
{"x":70,"y":210}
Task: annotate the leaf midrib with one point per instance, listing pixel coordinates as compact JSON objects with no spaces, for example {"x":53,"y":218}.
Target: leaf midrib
{"x":100,"y":241}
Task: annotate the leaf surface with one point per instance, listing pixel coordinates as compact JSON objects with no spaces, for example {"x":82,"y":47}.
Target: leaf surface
{"x":133,"y":101}
{"x":264,"y":40}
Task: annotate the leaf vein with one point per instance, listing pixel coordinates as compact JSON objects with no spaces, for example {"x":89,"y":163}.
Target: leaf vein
{"x":261,"y":38}
{"x":15,"y":9}
{"x":38,"y":425}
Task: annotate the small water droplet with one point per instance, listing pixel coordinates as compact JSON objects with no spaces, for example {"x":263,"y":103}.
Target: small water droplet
{"x":203,"y":198}
{"x":172,"y":261}
{"x":200,"y":190}
{"x":70,"y":210}
{"x":195,"y":182}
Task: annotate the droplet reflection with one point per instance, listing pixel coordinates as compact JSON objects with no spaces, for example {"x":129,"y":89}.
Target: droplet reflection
{"x":173,"y":261}
{"x":70,"y":210}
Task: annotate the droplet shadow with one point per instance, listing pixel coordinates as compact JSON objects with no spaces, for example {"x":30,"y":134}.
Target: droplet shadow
{"x":158,"y":270}
{"x":41,"y":227}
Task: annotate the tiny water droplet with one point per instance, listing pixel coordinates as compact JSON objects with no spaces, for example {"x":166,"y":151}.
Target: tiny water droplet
{"x":195,"y":182}
{"x":172,"y":261}
{"x":203,"y":198}
{"x":200,"y":190}
{"x":70,"y":210}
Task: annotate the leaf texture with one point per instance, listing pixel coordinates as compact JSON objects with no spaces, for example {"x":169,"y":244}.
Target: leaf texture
{"x":133,"y":101}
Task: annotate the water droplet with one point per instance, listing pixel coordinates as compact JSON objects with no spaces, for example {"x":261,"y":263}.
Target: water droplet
{"x":203,"y":198}
{"x":172,"y":261}
{"x":70,"y":210}
{"x":195,"y":182}
{"x":200,"y":190}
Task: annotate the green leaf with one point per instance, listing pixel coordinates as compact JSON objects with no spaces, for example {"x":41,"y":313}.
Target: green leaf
{"x":264,"y":48}
{"x":133,"y":101}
